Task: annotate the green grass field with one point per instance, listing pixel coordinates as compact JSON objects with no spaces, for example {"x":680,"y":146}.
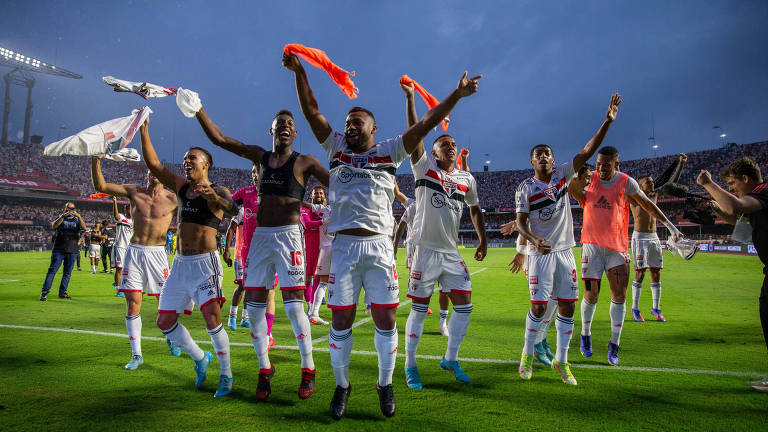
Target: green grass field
{"x":689,"y":373}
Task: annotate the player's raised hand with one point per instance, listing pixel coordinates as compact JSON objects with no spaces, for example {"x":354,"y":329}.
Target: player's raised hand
{"x":704,"y":178}
{"x":613,"y":108}
{"x":517,"y":263}
{"x":467,"y":86}
{"x":509,"y":227}
{"x":291,"y":62}
{"x":407,"y":88}
{"x":683,"y":157}
{"x":542,"y":246}
{"x":144,"y":126}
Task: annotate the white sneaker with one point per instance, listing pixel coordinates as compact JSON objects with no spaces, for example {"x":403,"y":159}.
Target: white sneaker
{"x":444,"y":329}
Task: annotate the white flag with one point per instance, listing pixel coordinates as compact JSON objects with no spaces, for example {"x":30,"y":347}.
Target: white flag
{"x":109,"y":138}
{"x":143,"y":89}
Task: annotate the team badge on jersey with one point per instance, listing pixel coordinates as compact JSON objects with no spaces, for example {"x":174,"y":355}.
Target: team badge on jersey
{"x":359,"y":161}
{"x":449,"y":186}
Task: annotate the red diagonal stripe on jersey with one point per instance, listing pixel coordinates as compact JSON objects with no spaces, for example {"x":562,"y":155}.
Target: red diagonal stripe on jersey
{"x":542,"y":194}
{"x":379,"y":159}
{"x":342,"y":157}
{"x":433,"y":174}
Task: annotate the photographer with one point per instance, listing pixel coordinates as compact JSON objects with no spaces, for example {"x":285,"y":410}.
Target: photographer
{"x":65,"y":239}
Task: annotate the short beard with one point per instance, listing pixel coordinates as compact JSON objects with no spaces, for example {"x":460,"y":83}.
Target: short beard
{"x":362,"y":138}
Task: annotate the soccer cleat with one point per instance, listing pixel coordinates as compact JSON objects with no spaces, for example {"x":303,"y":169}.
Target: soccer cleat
{"x":613,"y":353}
{"x":429,"y":311}
{"x":657,"y":314}
{"x":120,"y":294}
{"x":245,"y":323}
{"x":540,"y":353}
{"x":93,"y":272}
{"x":201,"y":368}
{"x":586,"y":346}
{"x":367,"y":308}
{"x":412,"y":378}
{"x":307,"y":386}
{"x":317,"y":321}
{"x":271,"y":343}
{"x":454,"y":367}
{"x":444,"y":329}
{"x":135,"y":362}
{"x":762,"y":382}
{"x":637,"y":316}
{"x":232,"y":322}
{"x":43,"y":297}
{"x":526,"y":366}
{"x":386,"y":399}
{"x":79,"y":269}
{"x":264,"y":388}
{"x":65,"y":296}
{"x":565,"y":372}
{"x":175,"y":351}
{"x":225,"y":386}
{"x":339,"y":402}
{"x":547,"y":351}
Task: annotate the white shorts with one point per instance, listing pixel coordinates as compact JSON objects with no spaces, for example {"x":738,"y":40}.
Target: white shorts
{"x":646,"y":248}
{"x":238,"y":264}
{"x":552,"y":276}
{"x":118,"y":256}
{"x":430,"y":267}
{"x":194,"y":280}
{"x":145,"y":269}
{"x":362,"y":261}
{"x":94,"y":251}
{"x":323,"y":268}
{"x":275,"y":250}
{"x":410,"y":251}
{"x":596,"y":259}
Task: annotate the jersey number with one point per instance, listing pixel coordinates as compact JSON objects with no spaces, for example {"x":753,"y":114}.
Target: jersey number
{"x":295,"y":258}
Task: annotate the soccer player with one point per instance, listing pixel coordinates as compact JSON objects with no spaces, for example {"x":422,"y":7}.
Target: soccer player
{"x":139,"y":255}
{"x":235,"y":230}
{"x":544,"y":220}
{"x":169,"y":242}
{"x":320,"y":208}
{"x":276,"y":246}
{"x":196,"y":275}
{"x":311,"y":222}
{"x":605,"y":240}
{"x":68,"y":227}
{"x":95,"y":238}
{"x":360,"y":196}
{"x":107,"y":242}
{"x":441,"y":192}
{"x":751,"y":202}
{"x":645,"y":244}
{"x":123,"y":235}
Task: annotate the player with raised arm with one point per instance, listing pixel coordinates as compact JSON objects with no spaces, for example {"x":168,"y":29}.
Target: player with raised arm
{"x":277,"y":245}
{"x":645,"y":243}
{"x":544,"y":220}
{"x":360,"y":195}
{"x":441,"y":192}
{"x":140,"y":257}
{"x":605,"y":240}
{"x":196,"y":275}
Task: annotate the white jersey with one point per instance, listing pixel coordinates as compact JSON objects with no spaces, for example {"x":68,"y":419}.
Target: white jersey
{"x":408,"y":218}
{"x":362,"y":185}
{"x":440,"y":198}
{"x":238,"y":218}
{"x":548,"y":208}
{"x":123,"y":231}
{"x":326,"y":240}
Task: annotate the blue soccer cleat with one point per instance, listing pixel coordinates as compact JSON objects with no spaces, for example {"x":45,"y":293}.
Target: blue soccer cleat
{"x":135,"y":362}
{"x":547,"y":351}
{"x":175,"y":351}
{"x":225,"y":386}
{"x":412,"y":378}
{"x":657,"y":314}
{"x":232,"y":322}
{"x":586,"y":346}
{"x":638,"y":317}
{"x":245,"y":323}
{"x":454,"y":367}
{"x":201,"y":367}
{"x":613,"y":353}
{"x":540,"y":352}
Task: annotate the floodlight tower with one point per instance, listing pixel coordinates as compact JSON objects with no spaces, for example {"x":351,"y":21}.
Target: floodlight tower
{"x":23,"y":67}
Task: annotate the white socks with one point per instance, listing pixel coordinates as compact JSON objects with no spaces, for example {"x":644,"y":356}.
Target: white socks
{"x":300,"y":324}
{"x":233,"y":311}
{"x":179,"y":335}
{"x":443,"y":316}
{"x":220,"y":342}
{"x":532,"y":325}
{"x":656,"y":294}
{"x":413,"y":329}
{"x":617,"y":311}
{"x":133,"y":325}
{"x":637,"y":288}
{"x":340,"y":344}
{"x":259,"y":337}
{"x":318,"y":300}
{"x":457,"y":329}
{"x":587,"y":313}
{"x":386,"y":347}
{"x":564,"y":326}
{"x":546,"y":319}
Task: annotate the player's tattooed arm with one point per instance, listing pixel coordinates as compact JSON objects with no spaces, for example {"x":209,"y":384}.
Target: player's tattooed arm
{"x":217,"y":137}
{"x":166,"y":177}
{"x":100,"y":184}
{"x":593,"y":144}
{"x":478,"y":220}
{"x":413,"y":136}
{"x":317,"y":121}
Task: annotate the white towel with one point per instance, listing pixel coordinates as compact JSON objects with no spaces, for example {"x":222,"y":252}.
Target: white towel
{"x":143,"y":89}
{"x":109,"y":138}
{"x":188,"y":102}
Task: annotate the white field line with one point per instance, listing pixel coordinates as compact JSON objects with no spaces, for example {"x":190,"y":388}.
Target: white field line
{"x":8,"y":280}
{"x":369,"y":318}
{"x":421,"y":356}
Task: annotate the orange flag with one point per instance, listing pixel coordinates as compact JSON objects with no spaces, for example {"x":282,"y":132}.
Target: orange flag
{"x":98,"y":195}
{"x":319,"y":59}
{"x":430,"y":100}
